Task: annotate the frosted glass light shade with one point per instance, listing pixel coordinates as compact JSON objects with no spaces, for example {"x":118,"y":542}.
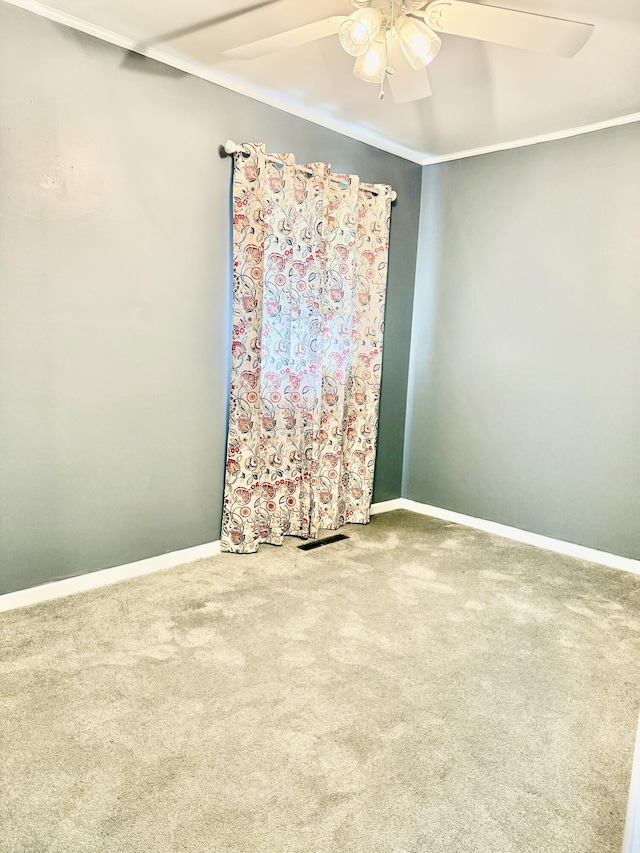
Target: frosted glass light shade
{"x":419,"y":43}
{"x":358,"y":33}
{"x":370,"y":66}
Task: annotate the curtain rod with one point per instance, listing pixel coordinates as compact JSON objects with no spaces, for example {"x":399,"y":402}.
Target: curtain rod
{"x":230,"y":147}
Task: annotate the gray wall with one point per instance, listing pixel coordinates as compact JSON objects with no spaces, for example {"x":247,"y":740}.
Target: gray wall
{"x":524,"y":401}
{"x":114,"y":298}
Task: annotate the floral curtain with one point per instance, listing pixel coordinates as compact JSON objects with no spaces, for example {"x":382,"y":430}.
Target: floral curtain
{"x":309,"y":282}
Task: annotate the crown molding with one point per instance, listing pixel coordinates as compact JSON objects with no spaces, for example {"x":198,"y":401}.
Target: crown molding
{"x":532,"y":140}
{"x":329,"y":122}
{"x":213,"y":76}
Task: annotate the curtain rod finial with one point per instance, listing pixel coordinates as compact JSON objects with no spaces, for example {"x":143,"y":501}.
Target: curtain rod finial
{"x":229,"y":148}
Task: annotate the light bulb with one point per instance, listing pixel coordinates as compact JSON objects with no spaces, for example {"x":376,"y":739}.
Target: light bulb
{"x":370,"y":66}
{"x":359,"y":31}
{"x":419,"y":43}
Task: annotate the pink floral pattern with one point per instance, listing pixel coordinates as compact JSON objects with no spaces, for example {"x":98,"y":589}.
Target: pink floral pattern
{"x":309,"y":285}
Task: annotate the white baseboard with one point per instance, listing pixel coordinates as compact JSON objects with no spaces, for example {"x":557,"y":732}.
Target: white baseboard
{"x":568,"y":548}
{"x":388,"y":506}
{"x":632,"y":828}
{"x":104,"y":577}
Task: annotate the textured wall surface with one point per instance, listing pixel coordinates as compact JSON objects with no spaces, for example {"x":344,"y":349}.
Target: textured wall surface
{"x":524,"y":400}
{"x":115,"y":298}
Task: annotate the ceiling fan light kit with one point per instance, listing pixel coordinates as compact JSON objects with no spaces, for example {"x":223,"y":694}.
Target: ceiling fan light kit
{"x":368,"y":33}
{"x":399,"y":38}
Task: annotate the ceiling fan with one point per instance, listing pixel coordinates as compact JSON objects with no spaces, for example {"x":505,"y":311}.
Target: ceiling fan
{"x":397,"y":39}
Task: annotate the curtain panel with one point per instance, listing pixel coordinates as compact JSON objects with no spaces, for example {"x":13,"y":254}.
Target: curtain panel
{"x":309,"y":282}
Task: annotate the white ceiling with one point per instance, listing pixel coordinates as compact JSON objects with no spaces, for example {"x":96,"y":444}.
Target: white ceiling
{"x":484,"y":96}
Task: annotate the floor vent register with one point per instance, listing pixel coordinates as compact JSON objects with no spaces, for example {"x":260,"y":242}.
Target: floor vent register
{"x":318,"y":543}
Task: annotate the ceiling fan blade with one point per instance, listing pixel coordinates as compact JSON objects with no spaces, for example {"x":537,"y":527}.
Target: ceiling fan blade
{"x":209,"y":22}
{"x":405,"y":83}
{"x":290,"y":38}
{"x":507,"y":26}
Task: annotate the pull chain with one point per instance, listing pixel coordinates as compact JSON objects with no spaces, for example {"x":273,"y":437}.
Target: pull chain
{"x":388,"y":36}
{"x":387,"y":70}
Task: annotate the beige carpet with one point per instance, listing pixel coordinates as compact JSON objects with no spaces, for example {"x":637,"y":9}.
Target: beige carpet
{"x":419,"y":688}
